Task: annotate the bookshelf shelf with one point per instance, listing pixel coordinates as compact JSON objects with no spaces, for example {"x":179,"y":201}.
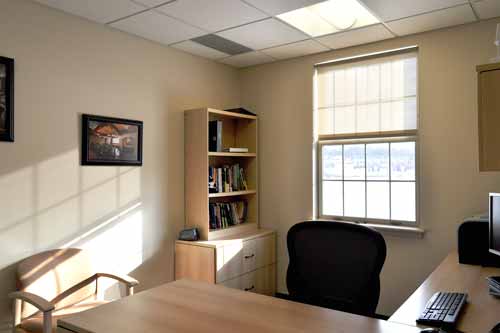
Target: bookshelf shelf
{"x":230,"y":114}
{"x":237,"y":130}
{"x":225,"y":154}
{"x":231,"y":194}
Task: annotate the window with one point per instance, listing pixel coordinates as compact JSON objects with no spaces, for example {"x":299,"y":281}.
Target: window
{"x":366,"y":125}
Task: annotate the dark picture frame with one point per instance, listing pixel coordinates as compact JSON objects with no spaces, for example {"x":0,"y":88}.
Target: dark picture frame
{"x":6,"y":99}
{"x":111,"y":141}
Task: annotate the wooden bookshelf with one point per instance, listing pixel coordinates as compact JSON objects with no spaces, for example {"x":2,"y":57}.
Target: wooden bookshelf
{"x":238,"y":130}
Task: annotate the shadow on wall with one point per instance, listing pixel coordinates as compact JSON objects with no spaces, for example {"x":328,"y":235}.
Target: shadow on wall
{"x":57,"y":203}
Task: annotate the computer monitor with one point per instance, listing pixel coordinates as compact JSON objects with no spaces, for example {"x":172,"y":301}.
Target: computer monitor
{"x":494,"y":220}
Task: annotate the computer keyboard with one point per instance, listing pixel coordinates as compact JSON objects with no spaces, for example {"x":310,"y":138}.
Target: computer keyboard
{"x":443,"y":309}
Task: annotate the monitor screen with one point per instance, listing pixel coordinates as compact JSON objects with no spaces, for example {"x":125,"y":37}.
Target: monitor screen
{"x":495,"y":223}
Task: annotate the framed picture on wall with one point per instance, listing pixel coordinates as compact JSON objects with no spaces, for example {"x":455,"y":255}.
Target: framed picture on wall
{"x":6,"y":99}
{"x":111,"y":141}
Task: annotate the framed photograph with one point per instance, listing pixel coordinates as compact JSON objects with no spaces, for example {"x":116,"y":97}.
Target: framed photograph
{"x":6,"y":99}
{"x":111,"y":141}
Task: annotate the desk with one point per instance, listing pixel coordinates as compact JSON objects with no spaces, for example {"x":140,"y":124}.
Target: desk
{"x":197,"y":307}
{"x":482,"y":311}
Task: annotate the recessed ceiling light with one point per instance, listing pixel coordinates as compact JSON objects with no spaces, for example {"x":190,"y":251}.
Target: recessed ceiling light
{"x":329,"y":16}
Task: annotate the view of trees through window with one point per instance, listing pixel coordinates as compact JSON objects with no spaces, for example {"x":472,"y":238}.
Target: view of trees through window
{"x":369,"y":180}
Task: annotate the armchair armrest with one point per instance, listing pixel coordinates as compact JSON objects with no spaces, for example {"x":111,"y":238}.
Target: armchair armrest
{"x":39,"y":302}
{"x":127,"y":280}
{"x":130,"y":282}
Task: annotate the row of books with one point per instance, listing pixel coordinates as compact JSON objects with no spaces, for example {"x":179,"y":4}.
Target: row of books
{"x":229,"y":178}
{"x":226,"y":214}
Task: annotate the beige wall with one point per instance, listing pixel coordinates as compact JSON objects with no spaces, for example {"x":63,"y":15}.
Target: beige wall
{"x":66,"y":66}
{"x":451,"y":186}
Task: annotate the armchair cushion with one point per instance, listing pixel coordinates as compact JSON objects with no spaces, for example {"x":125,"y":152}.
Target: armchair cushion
{"x":49,"y":273}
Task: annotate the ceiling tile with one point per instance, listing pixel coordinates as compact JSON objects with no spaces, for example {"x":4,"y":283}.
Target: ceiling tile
{"x":158,"y":27}
{"x":152,"y":3}
{"x":199,"y":50}
{"x":247,"y":59}
{"x":96,"y":10}
{"x":387,"y":10}
{"x":434,"y":20}
{"x":487,"y":8}
{"x":275,"y":7}
{"x":213,"y":16}
{"x":263,"y":34}
{"x":356,"y":37}
{"x":293,"y":50}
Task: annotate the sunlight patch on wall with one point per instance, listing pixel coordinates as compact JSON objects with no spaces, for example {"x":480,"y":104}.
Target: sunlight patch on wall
{"x":16,"y":196}
{"x":58,"y":223}
{"x":57,"y":179}
{"x":99,"y":202}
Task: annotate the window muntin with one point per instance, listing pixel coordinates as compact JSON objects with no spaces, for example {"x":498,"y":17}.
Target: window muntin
{"x":369,"y":180}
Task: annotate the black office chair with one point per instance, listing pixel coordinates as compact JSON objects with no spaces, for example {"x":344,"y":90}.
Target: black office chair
{"x":335,"y":265}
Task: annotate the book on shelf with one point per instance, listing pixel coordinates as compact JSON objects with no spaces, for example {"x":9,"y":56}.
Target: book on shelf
{"x":226,"y":214}
{"x":229,"y":178}
{"x":215,"y":135}
{"x":236,"y":150}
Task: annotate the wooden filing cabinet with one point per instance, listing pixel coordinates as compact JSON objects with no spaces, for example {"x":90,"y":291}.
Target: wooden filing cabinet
{"x":246,"y":261}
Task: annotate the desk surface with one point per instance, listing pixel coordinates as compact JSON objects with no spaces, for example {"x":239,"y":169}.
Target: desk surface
{"x":186,"y":306}
{"x":482,"y":311}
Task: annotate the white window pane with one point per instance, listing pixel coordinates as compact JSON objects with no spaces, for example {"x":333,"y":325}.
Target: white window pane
{"x":403,"y":201}
{"x":344,"y":86}
{"x":332,"y":162}
{"x":367,"y":118}
{"x":344,"y":120}
{"x":332,"y":200}
{"x":354,"y":162}
{"x":325,"y":121}
{"x":354,"y":196}
{"x":324,"y":90}
{"x":377,"y":161}
{"x":367,"y":84}
{"x":403,"y":161}
{"x":377,"y":206}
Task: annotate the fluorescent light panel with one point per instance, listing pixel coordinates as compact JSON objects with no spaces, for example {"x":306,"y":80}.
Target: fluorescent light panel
{"x":329,"y":17}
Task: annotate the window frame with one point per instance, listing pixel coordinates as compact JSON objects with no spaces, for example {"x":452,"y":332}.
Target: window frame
{"x":329,"y":140}
{"x":366,"y":137}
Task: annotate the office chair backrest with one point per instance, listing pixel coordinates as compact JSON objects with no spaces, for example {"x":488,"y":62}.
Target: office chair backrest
{"x":335,"y":265}
{"x":50,"y":273}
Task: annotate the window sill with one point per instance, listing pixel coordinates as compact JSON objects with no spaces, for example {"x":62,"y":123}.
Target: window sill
{"x":396,"y":230}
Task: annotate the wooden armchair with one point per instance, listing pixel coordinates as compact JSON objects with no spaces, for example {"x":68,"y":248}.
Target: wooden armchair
{"x":54,"y":284}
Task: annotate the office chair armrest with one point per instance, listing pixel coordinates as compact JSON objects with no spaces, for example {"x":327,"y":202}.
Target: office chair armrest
{"x":39,"y":302}
{"x":125,"y":279}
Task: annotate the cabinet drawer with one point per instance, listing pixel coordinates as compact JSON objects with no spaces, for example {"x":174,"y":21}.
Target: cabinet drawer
{"x":239,"y":258}
{"x":261,"y":281}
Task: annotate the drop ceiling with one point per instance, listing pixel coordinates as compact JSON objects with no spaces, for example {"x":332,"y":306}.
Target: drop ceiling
{"x":244,"y":33}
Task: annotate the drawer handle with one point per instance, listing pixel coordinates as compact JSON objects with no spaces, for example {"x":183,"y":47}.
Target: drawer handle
{"x":250,"y":256}
{"x":251,"y":288}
